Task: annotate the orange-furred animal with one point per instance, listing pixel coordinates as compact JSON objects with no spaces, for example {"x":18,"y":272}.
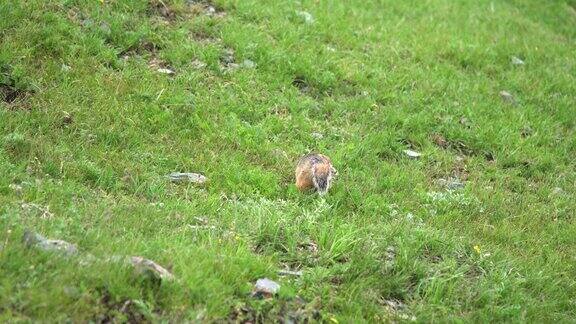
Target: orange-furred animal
{"x":315,"y":171}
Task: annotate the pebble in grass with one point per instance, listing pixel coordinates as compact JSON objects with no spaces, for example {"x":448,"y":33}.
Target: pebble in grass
{"x":181,"y":177}
{"x":516,"y":61}
{"x":451,"y":183}
{"x":412,"y":154}
{"x":265,"y":288}
{"x":507,"y":97}
{"x":306,"y":16}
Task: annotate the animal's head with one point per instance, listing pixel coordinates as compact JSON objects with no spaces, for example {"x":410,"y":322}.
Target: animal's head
{"x":322,"y":176}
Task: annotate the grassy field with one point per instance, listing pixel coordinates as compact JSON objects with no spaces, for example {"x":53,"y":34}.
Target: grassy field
{"x":101,"y":100}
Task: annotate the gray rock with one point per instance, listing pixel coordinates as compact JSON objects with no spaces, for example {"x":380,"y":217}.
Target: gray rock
{"x":65,"y":67}
{"x":147,"y":267}
{"x":180,"y":177}
{"x":451,"y":183}
{"x":197,"y":64}
{"x":265,"y":288}
{"x":306,"y":16}
{"x":507,"y":97}
{"x":516,"y":61}
{"x":35,"y":240}
{"x":289,"y":273}
{"x":249,"y":64}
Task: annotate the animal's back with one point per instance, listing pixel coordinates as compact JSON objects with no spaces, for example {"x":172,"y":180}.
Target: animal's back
{"x":304,"y":175}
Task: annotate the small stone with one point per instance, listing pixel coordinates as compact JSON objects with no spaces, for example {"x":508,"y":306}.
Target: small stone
{"x":265,"y":288}
{"x":38,"y":241}
{"x":201,"y":220}
{"x":557,"y":191}
{"x":289,"y":273}
{"x":516,"y":61}
{"x":179,"y":177}
{"x":450,"y":184}
{"x":507,"y":97}
{"x":248,"y":64}
{"x":86,"y":22}
{"x":105,"y":28}
{"x":147,"y":267}
{"x":412,"y":154}
{"x":317,"y":136}
{"x":210,"y":11}
{"x":306,"y":16}
{"x":197,"y":64}
{"x":67,"y":119}
{"x":166,"y":71}
{"x":393,"y":304}
{"x":232,"y":66}
{"x":17,"y":188}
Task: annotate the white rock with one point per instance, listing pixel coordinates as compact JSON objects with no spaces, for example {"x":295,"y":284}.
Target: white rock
{"x":165,"y":71}
{"x":266,"y":287}
{"x":412,"y":154}
{"x":516,"y":61}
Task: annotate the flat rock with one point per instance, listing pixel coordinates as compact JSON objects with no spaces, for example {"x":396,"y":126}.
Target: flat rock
{"x":38,"y":241}
{"x":412,"y":154}
{"x":180,"y":177}
{"x":147,"y":267}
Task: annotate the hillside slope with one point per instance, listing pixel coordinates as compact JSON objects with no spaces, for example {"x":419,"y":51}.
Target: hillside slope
{"x":101,"y":100}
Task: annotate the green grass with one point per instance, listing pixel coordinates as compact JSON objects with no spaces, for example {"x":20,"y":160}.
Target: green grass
{"x":90,"y":129}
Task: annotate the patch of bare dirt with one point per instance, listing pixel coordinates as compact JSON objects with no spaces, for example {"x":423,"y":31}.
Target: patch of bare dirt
{"x":11,"y":91}
{"x":118,"y":311}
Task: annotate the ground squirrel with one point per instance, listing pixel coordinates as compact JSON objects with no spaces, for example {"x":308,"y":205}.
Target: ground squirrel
{"x":315,"y":171}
